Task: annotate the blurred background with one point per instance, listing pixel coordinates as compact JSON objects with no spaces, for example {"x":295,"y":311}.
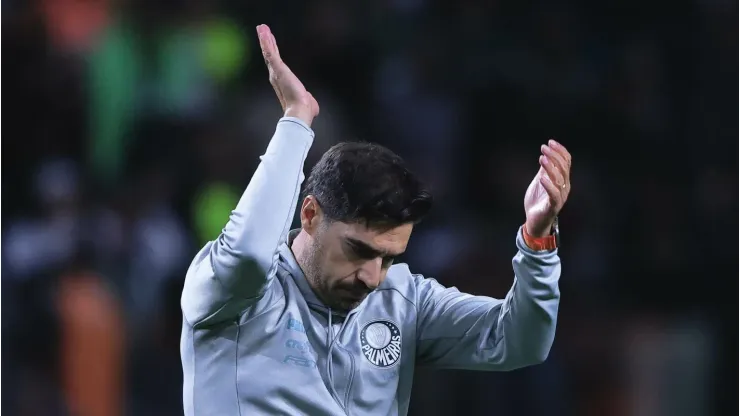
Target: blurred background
{"x":132,"y":127}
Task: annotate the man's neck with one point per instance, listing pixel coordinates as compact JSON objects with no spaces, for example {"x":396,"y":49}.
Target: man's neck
{"x":298,"y":246}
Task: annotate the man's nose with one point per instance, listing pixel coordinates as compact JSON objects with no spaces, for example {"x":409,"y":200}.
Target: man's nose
{"x":370,"y":273}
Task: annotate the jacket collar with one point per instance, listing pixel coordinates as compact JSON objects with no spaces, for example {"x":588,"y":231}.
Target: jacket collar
{"x":290,"y":264}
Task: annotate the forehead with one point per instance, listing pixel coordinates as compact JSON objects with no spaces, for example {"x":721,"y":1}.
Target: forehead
{"x":391,"y":240}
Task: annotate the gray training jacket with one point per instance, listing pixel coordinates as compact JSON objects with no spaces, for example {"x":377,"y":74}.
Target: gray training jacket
{"x":257,"y":341}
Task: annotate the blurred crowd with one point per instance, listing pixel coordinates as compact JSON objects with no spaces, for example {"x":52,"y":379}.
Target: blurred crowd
{"x":133,"y":126}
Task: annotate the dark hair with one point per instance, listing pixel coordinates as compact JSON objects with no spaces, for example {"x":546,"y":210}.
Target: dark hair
{"x":357,"y":182}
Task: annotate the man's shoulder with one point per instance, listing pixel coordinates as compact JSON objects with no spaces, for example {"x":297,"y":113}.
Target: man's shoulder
{"x":400,"y":279}
{"x":395,"y":300}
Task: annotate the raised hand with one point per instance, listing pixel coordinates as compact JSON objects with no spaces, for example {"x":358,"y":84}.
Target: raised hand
{"x":549,"y":190}
{"x":295,"y":100}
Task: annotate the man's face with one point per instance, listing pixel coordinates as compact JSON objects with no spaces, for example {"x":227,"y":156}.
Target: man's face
{"x":348,"y":261}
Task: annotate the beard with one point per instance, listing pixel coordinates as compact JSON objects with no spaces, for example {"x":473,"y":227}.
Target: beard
{"x":313,"y":270}
{"x":320,"y":281}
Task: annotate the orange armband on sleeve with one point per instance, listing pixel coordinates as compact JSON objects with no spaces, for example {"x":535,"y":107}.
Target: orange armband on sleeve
{"x":548,"y":243}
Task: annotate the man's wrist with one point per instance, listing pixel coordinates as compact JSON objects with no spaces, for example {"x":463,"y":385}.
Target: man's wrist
{"x":539,"y":232}
{"x":302,"y":113}
{"x":548,"y":242}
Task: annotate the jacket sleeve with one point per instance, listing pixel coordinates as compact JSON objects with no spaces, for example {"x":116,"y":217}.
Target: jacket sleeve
{"x":237,"y":269}
{"x":461,"y":331}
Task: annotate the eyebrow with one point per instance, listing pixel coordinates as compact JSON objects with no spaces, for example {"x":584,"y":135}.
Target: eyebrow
{"x":369,"y":249}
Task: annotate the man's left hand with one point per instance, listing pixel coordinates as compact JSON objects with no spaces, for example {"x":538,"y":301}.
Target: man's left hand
{"x":549,"y":190}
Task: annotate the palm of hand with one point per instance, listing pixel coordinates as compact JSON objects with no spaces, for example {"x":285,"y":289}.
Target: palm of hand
{"x":292,"y":94}
{"x":549,"y":189}
{"x":537,"y":204}
{"x":291,"y":91}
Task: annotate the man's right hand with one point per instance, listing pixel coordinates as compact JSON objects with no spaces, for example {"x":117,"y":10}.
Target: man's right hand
{"x":295,"y":100}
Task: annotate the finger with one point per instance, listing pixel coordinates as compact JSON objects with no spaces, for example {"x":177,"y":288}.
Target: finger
{"x":267,"y":44}
{"x":272,"y":57}
{"x":552,"y":191}
{"x":560,"y":149}
{"x":558,"y":160}
{"x":275,"y":47}
{"x":552,"y":171}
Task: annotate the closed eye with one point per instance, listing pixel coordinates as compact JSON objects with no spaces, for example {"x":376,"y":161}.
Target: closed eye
{"x":361,"y":252}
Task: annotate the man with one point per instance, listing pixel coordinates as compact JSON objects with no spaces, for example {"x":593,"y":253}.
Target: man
{"x":318,"y":321}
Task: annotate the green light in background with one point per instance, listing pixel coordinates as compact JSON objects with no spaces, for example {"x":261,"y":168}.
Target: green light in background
{"x":225,"y":51}
{"x":213,"y":205}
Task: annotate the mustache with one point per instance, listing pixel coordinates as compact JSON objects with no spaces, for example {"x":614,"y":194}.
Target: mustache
{"x":357,"y":290}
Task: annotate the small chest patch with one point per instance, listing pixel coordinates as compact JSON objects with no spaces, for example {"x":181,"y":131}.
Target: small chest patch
{"x":381,"y":343}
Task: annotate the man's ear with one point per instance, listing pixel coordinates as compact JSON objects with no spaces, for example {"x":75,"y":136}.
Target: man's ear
{"x":311,"y":214}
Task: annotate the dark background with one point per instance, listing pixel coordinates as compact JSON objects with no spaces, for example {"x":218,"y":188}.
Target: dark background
{"x":133,"y":126}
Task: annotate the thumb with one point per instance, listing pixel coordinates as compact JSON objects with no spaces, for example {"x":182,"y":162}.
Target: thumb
{"x":541,"y":172}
